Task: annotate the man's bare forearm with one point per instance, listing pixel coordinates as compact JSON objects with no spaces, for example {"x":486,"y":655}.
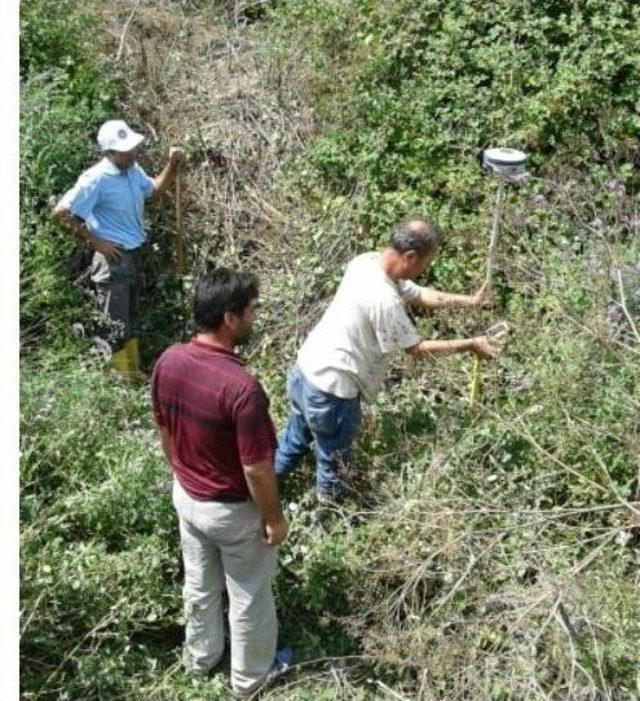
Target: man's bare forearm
{"x":430,"y":298}
{"x":484,"y":347}
{"x":440,"y":348}
{"x":75,"y":225}
{"x":263,"y":486}
{"x":162,"y":182}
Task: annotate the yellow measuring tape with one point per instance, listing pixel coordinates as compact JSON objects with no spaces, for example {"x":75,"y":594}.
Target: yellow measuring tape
{"x":498,"y":332}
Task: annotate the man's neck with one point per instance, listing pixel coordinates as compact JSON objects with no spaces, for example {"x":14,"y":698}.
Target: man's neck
{"x":121,"y":171}
{"x":211,"y":338}
{"x":391,"y":264}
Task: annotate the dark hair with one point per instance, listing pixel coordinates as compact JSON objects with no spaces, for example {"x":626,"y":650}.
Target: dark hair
{"x":418,"y":235}
{"x":219,"y":291}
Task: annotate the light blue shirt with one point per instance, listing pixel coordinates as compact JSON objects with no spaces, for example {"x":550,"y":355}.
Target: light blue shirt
{"x":111,"y":202}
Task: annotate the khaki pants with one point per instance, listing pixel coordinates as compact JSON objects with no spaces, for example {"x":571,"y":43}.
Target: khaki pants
{"x":222,"y":547}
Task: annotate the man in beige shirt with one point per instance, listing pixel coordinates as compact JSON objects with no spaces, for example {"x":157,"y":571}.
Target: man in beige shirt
{"x":344,"y":358}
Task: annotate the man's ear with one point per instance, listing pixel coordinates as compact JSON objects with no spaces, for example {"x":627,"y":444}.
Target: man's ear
{"x":410,"y":257}
{"x":230,"y":319}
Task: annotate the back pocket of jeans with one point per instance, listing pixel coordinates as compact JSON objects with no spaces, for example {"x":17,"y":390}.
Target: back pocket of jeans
{"x":322,"y":418}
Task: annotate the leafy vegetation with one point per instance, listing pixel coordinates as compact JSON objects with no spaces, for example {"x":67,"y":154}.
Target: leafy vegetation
{"x":65,"y":94}
{"x":489,"y":553}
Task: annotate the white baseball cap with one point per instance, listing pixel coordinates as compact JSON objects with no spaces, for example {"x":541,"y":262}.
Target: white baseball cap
{"x":116,"y":135}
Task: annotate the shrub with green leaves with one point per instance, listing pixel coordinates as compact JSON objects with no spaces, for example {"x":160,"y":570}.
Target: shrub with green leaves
{"x":412,"y":92}
{"x":65,"y":94}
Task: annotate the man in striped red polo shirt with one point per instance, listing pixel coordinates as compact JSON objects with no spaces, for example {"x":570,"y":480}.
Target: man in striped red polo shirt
{"x":214,"y":424}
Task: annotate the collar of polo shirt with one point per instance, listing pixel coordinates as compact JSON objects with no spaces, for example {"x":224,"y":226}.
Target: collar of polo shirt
{"x":109,"y":167}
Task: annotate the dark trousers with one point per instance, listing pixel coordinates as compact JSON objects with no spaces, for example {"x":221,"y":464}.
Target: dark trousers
{"x":117,"y":292}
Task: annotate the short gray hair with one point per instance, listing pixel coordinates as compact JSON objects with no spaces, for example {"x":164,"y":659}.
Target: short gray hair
{"x":418,"y":235}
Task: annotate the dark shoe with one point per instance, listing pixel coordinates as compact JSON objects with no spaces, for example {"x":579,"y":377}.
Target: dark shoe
{"x":327,"y":510}
{"x":330,"y":499}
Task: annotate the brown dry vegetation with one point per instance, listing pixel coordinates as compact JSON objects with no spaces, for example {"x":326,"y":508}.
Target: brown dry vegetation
{"x":196,"y":81}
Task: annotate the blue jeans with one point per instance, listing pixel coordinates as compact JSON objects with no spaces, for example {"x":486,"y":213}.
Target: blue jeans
{"x":329,"y":422}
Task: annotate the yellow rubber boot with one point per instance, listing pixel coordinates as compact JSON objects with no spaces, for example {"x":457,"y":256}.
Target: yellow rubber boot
{"x":133,"y":353}
{"x":120,"y":361}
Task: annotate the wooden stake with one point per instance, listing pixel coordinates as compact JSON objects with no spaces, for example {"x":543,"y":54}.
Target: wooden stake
{"x":179,"y":238}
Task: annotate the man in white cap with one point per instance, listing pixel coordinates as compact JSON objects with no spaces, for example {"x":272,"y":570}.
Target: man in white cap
{"x":105,"y":208}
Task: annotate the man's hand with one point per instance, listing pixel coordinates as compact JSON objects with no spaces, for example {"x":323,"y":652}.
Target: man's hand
{"x":162,"y":181}
{"x":275,"y":532}
{"x":482,"y":297}
{"x":487,"y":348}
{"x":109,"y":250}
{"x":263,"y":487}
{"x":177,"y":156}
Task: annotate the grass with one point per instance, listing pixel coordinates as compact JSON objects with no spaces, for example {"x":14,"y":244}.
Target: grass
{"x":487,"y":554}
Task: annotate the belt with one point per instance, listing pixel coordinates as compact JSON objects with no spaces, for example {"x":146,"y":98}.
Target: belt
{"x":128,"y":250}
{"x":226,"y":499}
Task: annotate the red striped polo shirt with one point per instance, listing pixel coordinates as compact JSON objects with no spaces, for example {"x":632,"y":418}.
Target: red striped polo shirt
{"x":217,"y":416}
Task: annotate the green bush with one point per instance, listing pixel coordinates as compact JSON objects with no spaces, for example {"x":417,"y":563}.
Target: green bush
{"x":413,"y":92}
{"x":99,"y":535}
{"x":65,"y":94}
